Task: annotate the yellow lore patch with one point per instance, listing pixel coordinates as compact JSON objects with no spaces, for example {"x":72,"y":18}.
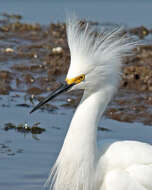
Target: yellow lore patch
{"x":75,"y":80}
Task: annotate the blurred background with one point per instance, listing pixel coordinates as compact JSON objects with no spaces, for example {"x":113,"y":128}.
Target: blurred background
{"x":130,"y":12}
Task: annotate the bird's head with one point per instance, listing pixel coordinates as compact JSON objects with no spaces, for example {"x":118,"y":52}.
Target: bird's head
{"x":96,"y":58}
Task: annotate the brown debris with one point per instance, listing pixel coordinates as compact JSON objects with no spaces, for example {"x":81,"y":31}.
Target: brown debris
{"x":37,"y":58}
{"x":5,"y":79}
{"x":24,"y":128}
{"x":35,"y":90}
{"x":141,"y":31}
{"x":137,"y":73}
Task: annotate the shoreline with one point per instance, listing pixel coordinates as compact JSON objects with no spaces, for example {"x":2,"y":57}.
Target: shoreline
{"x":33,"y":58}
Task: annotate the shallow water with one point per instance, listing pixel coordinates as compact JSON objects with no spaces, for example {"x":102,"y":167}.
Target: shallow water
{"x":26,"y":159}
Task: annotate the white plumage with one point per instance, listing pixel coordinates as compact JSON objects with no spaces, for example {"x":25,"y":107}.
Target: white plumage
{"x":84,"y":163}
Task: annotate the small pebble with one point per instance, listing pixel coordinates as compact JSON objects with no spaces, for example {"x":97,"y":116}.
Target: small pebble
{"x":35,"y":56}
{"x":9,"y":50}
{"x":57,"y":50}
{"x":26,"y":126}
{"x":69,"y":100}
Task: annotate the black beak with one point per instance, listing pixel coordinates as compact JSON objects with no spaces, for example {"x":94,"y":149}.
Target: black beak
{"x":63,"y":87}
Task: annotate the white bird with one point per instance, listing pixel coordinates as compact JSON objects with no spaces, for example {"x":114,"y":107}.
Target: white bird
{"x":84,"y":163}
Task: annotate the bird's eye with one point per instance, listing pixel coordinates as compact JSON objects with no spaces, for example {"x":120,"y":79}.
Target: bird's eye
{"x":82,"y":77}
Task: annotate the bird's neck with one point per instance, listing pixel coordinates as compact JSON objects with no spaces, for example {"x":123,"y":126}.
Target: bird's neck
{"x":83,"y":128}
{"x":75,"y":165}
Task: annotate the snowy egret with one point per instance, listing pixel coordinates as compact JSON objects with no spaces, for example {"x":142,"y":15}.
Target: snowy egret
{"x":84,"y":163}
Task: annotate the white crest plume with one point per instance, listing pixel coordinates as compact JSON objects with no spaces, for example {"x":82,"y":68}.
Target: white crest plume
{"x":100,"y":55}
{"x":101,"y":52}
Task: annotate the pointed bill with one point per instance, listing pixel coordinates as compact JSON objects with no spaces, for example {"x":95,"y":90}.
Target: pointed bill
{"x":63,"y":87}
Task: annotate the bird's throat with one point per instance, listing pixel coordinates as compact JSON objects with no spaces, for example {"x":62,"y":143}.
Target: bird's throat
{"x":83,"y":127}
{"x":76,"y":162}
